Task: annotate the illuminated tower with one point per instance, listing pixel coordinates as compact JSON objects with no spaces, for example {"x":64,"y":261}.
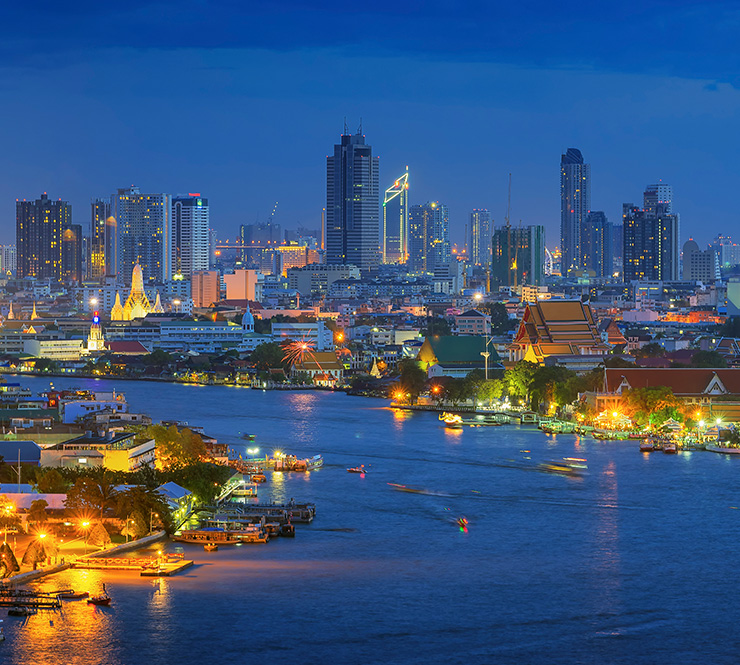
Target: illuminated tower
{"x":352,"y":203}
{"x":190,"y":242}
{"x":396,"y":221}
{"x":429,"y":240}
{"x":480,"y":237}
{"x":575,"y":204}
{"x":39,"y":226}
{"x":99,"y":213}
{"x":95,"y":340}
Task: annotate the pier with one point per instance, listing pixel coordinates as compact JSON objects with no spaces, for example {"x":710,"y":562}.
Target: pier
{"x":147,"y":566}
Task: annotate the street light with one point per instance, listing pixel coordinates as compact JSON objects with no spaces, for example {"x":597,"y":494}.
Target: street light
{"x":176,"y":303}
{"x":152,"y":515}
{"x":85,"y":527}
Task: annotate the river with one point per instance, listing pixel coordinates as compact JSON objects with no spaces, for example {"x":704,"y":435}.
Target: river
{"x":635,"y":562}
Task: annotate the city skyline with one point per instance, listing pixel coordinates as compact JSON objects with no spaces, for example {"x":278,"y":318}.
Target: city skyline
{"x":243,"y":121}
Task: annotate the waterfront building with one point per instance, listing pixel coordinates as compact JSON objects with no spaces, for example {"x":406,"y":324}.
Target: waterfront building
{"x":60,"y":350}
{"x":323,"y":367}
{"x":650,"y":244}
{"x":39,"y":227}
{"x":480,"y":237}
{"x":700,"y":265}
{"x":396,"y":221}
{"x":575,"y":204}
{"x":144,"y":233}
{"x":205,"y":288}
{"x":96,"y":260}
{"x":190,"y":241}
{"x":429,"y":240}
{"x":456,"y":356}
{"x":559,"y":328}
{"x":597,"y":244}
{"x":199,"y":336}
{"x":352,"y":204}
{"x":518,"y":255}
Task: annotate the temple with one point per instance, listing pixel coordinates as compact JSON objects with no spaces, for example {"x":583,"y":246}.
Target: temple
{"x":137,"y":304}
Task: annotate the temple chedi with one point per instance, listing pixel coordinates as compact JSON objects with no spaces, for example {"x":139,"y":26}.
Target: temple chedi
{"x":137,"y":305}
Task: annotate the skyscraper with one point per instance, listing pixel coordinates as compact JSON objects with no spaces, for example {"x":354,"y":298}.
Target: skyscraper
{"x":190,"y":242}
{"x":396,"y":221}
{"x":38,"y":226}
{"x":658,"y":194}
{"x":575,"y":203}
{"x":72,"y":253}
{"x":144,"y":230}
{"x":429,"y":239}
{"x":597,"y":245}
{"x":352,"y":204}
{"x":100,"y":212}
{"x":480,"y":237}
{"x":651,"y":242}
{"x":518,"y":255}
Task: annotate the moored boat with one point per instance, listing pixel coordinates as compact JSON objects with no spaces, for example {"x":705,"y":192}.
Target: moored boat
{"x":259,"y":478}
{"x":19,"y":611}
{"x":210,"y":547}
{"x":73,"y":595}
{"x":647,"y":446}
{"x":670,"y":448}
{"x":100,"y":599}
{"x":726,"y":450}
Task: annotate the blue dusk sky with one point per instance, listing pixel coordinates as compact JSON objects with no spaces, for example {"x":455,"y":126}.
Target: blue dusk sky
{"x":242,"y":101}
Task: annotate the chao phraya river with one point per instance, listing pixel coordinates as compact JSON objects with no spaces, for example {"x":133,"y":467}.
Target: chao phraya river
{"x":636,"y":562}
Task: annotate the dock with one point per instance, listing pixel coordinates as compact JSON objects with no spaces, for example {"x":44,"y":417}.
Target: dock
{"x":147,"y":566}
{"x":31,"y":599}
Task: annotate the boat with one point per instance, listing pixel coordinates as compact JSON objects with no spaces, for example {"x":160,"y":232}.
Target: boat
{"x":451,"y":420}
{"x":670,"y":448}
{"x":725,"y":450}
{"x":568,"y":467}
{"x":259,"y":478}
{"x":315,"y":462}
{"x":647,"y":446}
{"x":357,"y":469}
{"x":73,"y":595}
{"x":416,"y":490}
{"x":19,"y":611}
{"x":210,"y":547}
{"x":100,"y":599}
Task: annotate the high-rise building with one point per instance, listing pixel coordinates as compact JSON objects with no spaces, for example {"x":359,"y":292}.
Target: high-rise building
{"x":429,"y":237}
{"x":597,"y":245}
{"x":396,"y":221}
{"x":100,"y":212}
{"x":190,"y":241}
{"x":702,"y":266}
{"x":480,"y":237}
{"x":8,"y":259}
{"x":144,"y":230}
{"x":518,"y":255}
{"x":205,"y":288}
{"x":241,"y":285}
{"x":575,"y":204}
{"x":352,"y":204}
{"x":650,"y":244}
{"x":72,"y":253}
{"x":656,"y":195}
{"x":39,"y":226}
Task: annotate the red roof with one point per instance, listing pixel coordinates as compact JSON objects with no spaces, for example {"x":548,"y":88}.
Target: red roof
{"x":128,"y":348}
{"x":682,"y":381}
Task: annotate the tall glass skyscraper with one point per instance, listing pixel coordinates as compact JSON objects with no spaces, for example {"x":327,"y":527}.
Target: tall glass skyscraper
{"x":429,"y":237}
{"x":190,"y":244}
{"x":144,"y":230}
{"x":480,"y":237}
{"x":352,"y":204}
{"x":396,"y":221}
{"x":575,"y":204}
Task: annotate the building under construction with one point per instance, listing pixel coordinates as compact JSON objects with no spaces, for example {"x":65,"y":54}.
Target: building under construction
{"x":518,"y":255}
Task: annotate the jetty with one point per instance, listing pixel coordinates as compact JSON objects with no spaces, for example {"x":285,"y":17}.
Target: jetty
{"x":11,"y":597}
{"x":164,"y":566}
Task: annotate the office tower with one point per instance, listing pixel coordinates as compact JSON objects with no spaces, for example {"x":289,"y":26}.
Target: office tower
{"x":650,"y":244}
{"x":72,"y":253}
{"x":100,"y":212}
{"x":190,"y":241}
{"x":144,"y":230}
{"x":352,"y":204}
{"x":480,"y":237}
{"x":205,"y":288}
{"x":597,"y":245}
{"x":518,"y":255}
{"x":429,"y":239}
{"x":575,"y":203}
{"x":698,"y":265}
{"x":658,"y":194}
{"x":39,"y":226}
{"x":396,"y":221}
{"x":8,"y":259}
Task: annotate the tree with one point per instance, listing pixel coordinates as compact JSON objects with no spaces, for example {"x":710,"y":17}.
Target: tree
{"x":267,"y":356}
{"x":139,"y":504}
{"x":92,"y":494}
{"x":652,"y":350}
{"x":412,"y":378}
{"x":500,"y":321}
{"x":458,"y":390}
{"x":519,"y":379}
{"x":651,"y":405}
{"x":8,"y":562}
{"x":176,"y":447}
{"x":51,"y":482}
{"x":708,"y":359}
{"x":37,"y":511}
{"x":157,"y":357}
{"x":437,"y":326}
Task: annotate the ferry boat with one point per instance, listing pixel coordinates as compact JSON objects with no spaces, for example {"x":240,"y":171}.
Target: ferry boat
{"x":100,"y":599}
{"x":647,"y":446}
{"x":726,"y":450}
{"x":670,"y":448}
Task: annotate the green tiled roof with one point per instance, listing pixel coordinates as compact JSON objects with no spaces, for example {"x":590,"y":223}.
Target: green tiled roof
{"x":461,"y":349}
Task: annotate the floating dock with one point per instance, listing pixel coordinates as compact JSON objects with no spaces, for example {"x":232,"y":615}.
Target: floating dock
{"x":148,"y":567}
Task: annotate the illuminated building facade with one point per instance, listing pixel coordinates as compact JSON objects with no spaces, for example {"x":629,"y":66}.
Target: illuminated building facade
{"x":518,"y":255}
{"x":99,"y":214}
{"x":144,"y":231}
{"x":190,"y":241}
{"x":205,"y":288}
{"x":95,"y":339}
{"x":72,"y":253}
{"x":39,"y":226}
{"x":575,"y":204}
{"x":396,"y":221}
{"x":352,"y":204}
{"x":650,"y":244}
{"x":480,"y":237}
{"x":429,"y":240}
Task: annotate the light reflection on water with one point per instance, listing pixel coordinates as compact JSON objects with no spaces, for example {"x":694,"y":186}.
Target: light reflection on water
{"x":550,"y":571}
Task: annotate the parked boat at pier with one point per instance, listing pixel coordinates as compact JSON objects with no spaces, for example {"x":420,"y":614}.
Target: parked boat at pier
{"x":725,"y":450}
{"x":73,"y":595}
{"x":100,"y":599}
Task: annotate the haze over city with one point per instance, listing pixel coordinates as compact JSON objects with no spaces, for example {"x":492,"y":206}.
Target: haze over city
{"x":244,"y":104}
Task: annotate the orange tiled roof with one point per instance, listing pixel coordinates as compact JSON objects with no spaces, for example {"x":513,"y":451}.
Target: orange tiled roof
{"x":682,"y":381}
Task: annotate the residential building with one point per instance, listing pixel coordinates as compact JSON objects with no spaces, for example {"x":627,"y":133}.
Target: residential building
{"x":480,"y":237}
{"x":39,"y":227}
{"x":352,"y":204}
{"x":518,"y":255}
{"x":575,"y":204}
{"x":315,"y":279}
{"x":144,"y":232}
{"x":650,"y":244}
{"x":96,"y":263}
{"x":205,"y":288}
{"x":429,"y":240}
{"x":8,"y":259}
{"x":658,"y":195}
{"x":72,"y":242}
{"x":190,"y":246}
{"x":241,"y":285}
{"x":395,"y":239}
{"x":473,"y":322}
{"x":597,"y":244}
{"x":699,"y":265}
{"x":317,"y":334}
